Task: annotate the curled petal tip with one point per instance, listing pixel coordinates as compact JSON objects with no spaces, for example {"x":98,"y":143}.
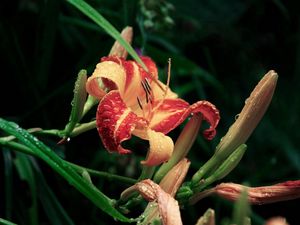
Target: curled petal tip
{"x":161,"y":148}
{"x":209,"y":134}
{"x":117,"y":49}
{"x":211,"y":114}
{"x":115,"y":122}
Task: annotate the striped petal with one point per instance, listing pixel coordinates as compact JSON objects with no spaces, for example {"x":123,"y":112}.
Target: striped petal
{"x":115,"y":122}
{"x":126,"y":76}
{"x":108,"y":75}
{"x":168,"y":207}
{"x":174,"y":111}
{"x":161,"y":148}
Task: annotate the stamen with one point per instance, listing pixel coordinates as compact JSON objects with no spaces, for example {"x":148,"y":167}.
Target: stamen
{"x":139,"y":102}
{"x":148,"y":84}
{"x":147,"y":97}
{"x":150,"y":99}
{"x":169,"y":75}
{"x":144,"y":87}
{"x":165,"y":91}
{"x":155,"y":81}
{"x":146,"y":91}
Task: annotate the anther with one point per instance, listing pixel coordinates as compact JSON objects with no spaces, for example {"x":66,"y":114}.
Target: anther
{"x":139,"y":102}
{"x":148,"y":85}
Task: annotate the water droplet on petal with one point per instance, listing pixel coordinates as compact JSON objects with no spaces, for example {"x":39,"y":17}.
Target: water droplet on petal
{"x":236,"y":116}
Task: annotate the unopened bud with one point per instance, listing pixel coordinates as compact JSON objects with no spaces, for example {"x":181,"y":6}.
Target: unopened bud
{"x":78,"y":102}
{"x":174,"y":178}
{"x":182,"y":146}
{"x":254,"y":109}
{"x":260,"y":195}
{"x":276,"y":221}
{"x":208,"y":218}
{"x":118,"y":49}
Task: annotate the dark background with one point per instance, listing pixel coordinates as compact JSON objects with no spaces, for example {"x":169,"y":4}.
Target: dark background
{"x":219,"y":52}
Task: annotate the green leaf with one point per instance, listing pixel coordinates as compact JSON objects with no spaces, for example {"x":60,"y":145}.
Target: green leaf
{"x":90,"y":12}
{"x":64,"y":169}
{"x":241,"y":210}
{"x":8,"y":182}
{"x":25,"y":172}
{"x":6,"y":222}
{"x":52,"y":207}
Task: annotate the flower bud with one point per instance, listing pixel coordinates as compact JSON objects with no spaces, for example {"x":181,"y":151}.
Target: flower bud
{"x":167,"y":207}
{"x":174,"y":178}
{"x":254,"y":109}
{"x":208,"y":218}
{"x":78,"y":102}
{"x":117,"y":49}
{"x":182,"y":146}
{"x":276,"y":221}
{"x":261,"y":195}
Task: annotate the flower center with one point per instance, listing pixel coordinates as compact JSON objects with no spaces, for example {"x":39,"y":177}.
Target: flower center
{"x":150,"y":107}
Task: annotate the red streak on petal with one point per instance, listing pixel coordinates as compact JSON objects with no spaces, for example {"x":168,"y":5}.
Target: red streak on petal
{"x":178,"y":110}
{"x":129,"y":68}
{"x":291,"y":183}
{"x":152,"y":69}
{"x":210,"y":113}
{"x":114,"y":122}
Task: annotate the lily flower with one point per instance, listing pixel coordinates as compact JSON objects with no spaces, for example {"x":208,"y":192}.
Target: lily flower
{"x":134,"y":101}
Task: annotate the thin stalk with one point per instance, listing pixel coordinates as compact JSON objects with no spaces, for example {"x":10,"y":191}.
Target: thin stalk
{"x":147,"y":172}
{"x":111,"y":177}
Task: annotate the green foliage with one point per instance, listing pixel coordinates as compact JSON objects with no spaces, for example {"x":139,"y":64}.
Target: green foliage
{"x":219,"y":50}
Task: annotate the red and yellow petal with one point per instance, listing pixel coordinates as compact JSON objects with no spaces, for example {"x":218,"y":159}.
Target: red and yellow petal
{"x":161,"y":148}
{"x":168,"y":115}
{"x":128,"y":79}
{"x":107,"y":76}
{"x":115,"y":122}
{"x":172,"y":112}
{"x":210,"y":113}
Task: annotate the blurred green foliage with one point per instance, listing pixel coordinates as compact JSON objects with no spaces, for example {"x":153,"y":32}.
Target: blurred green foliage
{"x":219,"y":51}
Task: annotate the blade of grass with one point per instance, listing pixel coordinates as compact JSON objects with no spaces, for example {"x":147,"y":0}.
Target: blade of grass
{"x":11,"y":145}
{"x":6,"y":222}
{"x":8,"y":182}
{"x":57,"y":164}
{"x":52,"y":207}
{"x":45,"y":44}
{"x":90,"y":12}
{"x":25,"y":172}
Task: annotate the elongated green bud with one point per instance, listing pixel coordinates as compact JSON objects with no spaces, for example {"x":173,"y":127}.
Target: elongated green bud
{"x":118,"y":49}
{"x":251,"y":114}
{"x":241,"y":209}
{"x":78,"y":102}
{"x":208,"y":218}
{"x":182,"y":146}
{"x":223,"y":170}
{"x":229,"y":164}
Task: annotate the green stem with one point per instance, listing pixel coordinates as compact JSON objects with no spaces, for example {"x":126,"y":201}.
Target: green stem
{"x":147,"y":172}
{"x":83,"y":128}
{"x":108,"y":176}
{"x":182,"y":146}
{"x":205,"y":169}
{"x":77,"y":130}
{"x":90,"y":102}
{"x":111,"y":177}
